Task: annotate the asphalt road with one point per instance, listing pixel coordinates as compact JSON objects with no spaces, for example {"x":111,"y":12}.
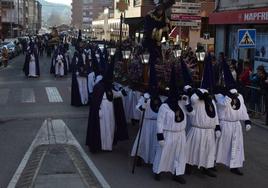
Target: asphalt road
{"x":21,"y":116}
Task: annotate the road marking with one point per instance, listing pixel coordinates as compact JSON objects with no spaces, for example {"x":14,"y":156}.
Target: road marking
{"x":53,"y":95}
{"x":4,"y":93}
{"x":27,"y":95}
{"x":56,"y":132}
{"x":39,"y":81}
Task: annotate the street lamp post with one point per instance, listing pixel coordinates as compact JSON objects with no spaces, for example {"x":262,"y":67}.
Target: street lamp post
{"x":200,"y":55}
{"x":111,"y":51}
{"x":122,"y":6}
{"x":120,"y":33}
{"x":145,"y":60}
{"x":126,"y":55}
{"x":177,"y":53}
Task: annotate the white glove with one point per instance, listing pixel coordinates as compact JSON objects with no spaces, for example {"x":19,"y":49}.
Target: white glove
{"x":146,"y":96}
{"x":161,"y":143}
{"x":218,"y":134}
{"x":77,"y":73}
{"x":248,"y":127}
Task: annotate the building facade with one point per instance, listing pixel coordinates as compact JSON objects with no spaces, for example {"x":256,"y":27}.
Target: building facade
{"x":189,"y":18}
{"x":77,"y":15}
{"x":20,"y":17}
{"x":109,"y":27}
{"x":230,"y":17}
{"x":85,"y":11}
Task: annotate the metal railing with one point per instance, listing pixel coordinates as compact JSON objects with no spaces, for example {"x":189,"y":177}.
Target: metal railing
{"x":254,"y":99}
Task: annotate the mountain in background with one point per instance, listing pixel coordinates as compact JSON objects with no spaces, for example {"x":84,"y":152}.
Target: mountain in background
{"x":55,"y":14}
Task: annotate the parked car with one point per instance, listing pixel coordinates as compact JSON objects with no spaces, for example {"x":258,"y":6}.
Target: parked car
{"x":12,"y":51}
{"x":16,"y":42}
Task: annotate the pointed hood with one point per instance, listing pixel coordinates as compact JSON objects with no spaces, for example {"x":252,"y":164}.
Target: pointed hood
{"x":208,"y":81}
{"x":102,"y":62}
{"x":187,"y":78}
{"x":228,"y":77}
{"x":173,"y":88}
{"x":153,"y":83}
{"x":109,"y":74}
{"x":173,"y":97}
{"x":105,"y":54}
{"x":95,"y":64}
{"x":31,"y":44}
{"x":155,"y":102}
{"x":79,"y":40}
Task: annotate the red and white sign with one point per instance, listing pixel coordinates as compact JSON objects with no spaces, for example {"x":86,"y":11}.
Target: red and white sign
{"x":180,"y":4}
{"x":184,"y":17}
{"x":186,"y":24}
{"x":249,"y":16}
{"x":185,"y":11}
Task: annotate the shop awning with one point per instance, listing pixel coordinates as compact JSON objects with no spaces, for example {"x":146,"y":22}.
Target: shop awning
{"x":247,"y":16}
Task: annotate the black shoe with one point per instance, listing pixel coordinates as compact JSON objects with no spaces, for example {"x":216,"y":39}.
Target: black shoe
{"x":179,"y":179}
{"x":237,"y":171}
{"x":209,"y":173}
{"x":157,"y":177}
{"x":188,"y":169}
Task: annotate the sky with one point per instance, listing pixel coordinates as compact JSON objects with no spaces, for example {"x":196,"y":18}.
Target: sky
{"x":66,"y":2}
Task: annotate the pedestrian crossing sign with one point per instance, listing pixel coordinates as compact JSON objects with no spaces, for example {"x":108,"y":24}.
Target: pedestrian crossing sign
{"x":247,"y":38}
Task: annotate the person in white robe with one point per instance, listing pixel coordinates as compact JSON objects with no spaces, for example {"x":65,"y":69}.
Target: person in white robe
{"x":231,"y":110}
{"x":148,"y":139}
{"x":32,"y":67}
{"x":171,"y":123}
{"x":31,"y":64}
{"x":59,"y":65}
{"x":107,"y":121}
{"x":148,"y":104}
{"x":201,"y":143}
{"x":82,"y":80}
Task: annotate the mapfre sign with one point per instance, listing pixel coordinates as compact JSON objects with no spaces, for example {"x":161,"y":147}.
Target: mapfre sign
{"x":256,"y":16}
{"x":248,"y":16}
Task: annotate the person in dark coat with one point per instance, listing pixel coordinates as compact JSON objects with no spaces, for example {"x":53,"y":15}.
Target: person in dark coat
{"x":104,"y":127}
{"x":31,"y":64}
{"x":77,"y":69}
